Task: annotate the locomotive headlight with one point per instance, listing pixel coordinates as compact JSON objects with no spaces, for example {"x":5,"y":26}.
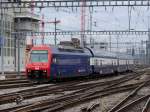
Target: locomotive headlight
{"x":29,"y":70}
{"x":44,"y":71}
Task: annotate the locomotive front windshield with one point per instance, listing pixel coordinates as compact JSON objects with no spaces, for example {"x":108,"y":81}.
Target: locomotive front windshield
{"x":39,"y":56}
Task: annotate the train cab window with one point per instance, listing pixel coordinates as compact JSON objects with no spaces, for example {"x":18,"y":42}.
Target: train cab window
{"x":39,"y":56}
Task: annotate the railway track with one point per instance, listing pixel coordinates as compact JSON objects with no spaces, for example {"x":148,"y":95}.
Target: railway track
{"x":11,"y":81}
{"x":83,"y":92}
{"x":15,"y":83}
{"x":133,"y":101}
{"x":23,"y":82}
{"x":59,"y":88}
{"x":81,"y":98}
{"x":11,"y":75}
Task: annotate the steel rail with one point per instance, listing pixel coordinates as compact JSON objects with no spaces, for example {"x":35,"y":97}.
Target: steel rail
{"x":146,"y":107}
{"x":23,"y":84}
{"x":12,"y":81}
{"x":115,"y":108}
{"x":132,"y":103}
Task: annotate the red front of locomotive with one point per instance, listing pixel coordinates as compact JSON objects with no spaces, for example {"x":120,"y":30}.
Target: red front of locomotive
{"x":38,"y":65}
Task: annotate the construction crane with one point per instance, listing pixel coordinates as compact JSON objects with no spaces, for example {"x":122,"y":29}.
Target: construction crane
{"x":42,"y":23}
{"x":42,"y":27}
{"x":32,"y":13}
{"x":83,"y":12}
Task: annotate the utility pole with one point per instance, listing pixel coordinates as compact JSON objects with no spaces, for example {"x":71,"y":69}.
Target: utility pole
{"x":117,"y":44}
{"x":83,"y":12}
{"x":55,"y":33}
{"x":117,"y":50}
{"x":55,"y":23}
{"x":91,"y":27}
{"x":2,"y":43}
{"x":32,"y":13}
{"x":129,"y":17}
{"x":148,"y":43}
{"x":18,"y":45}
{"x":110,"y":42}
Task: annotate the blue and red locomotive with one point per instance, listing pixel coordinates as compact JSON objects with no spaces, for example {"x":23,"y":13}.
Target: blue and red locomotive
{"x":52,"y":62}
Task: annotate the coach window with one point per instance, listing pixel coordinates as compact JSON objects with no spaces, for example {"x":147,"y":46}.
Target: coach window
{"x":101,"y":62}
{"x":54,"y":60}
{"x":96,"y":62}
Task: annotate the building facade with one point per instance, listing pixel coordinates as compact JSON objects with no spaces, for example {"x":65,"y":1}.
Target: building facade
{"x":15,"y":20}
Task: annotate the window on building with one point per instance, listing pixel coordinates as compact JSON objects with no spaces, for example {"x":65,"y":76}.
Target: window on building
{"x":9,"y":43}
{"x":12,"y":26}
{"x":12,"y":52}
{"x":5,"y":42}
{"x":8,"y":51}
{"x":12,"y":42}
{"x":8,"y":34}
{"x":5,"y":51}
{"x":9,"y":24}
{"x":23,"y":42}
{"x":6,"y":25}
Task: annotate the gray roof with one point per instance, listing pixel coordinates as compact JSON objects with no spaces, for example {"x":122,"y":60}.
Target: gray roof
{"x":57,"y":50}
{"x":108,"y":54}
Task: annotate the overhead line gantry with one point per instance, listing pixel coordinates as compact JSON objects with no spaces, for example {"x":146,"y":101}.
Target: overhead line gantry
{"x":83,"y":33}
{"x":74,"y":3}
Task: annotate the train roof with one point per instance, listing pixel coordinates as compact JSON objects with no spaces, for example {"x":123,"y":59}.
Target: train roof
{"x":69,"y":50}
{"x":85,"y":52}
{"x":108,"y":54}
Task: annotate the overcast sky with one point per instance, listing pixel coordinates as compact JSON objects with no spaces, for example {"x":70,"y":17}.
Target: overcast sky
{"x":108,"y":18}
{"x":103,"y":18}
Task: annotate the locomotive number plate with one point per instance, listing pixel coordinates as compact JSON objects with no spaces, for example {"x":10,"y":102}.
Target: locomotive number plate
{"x":37,"y":68}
